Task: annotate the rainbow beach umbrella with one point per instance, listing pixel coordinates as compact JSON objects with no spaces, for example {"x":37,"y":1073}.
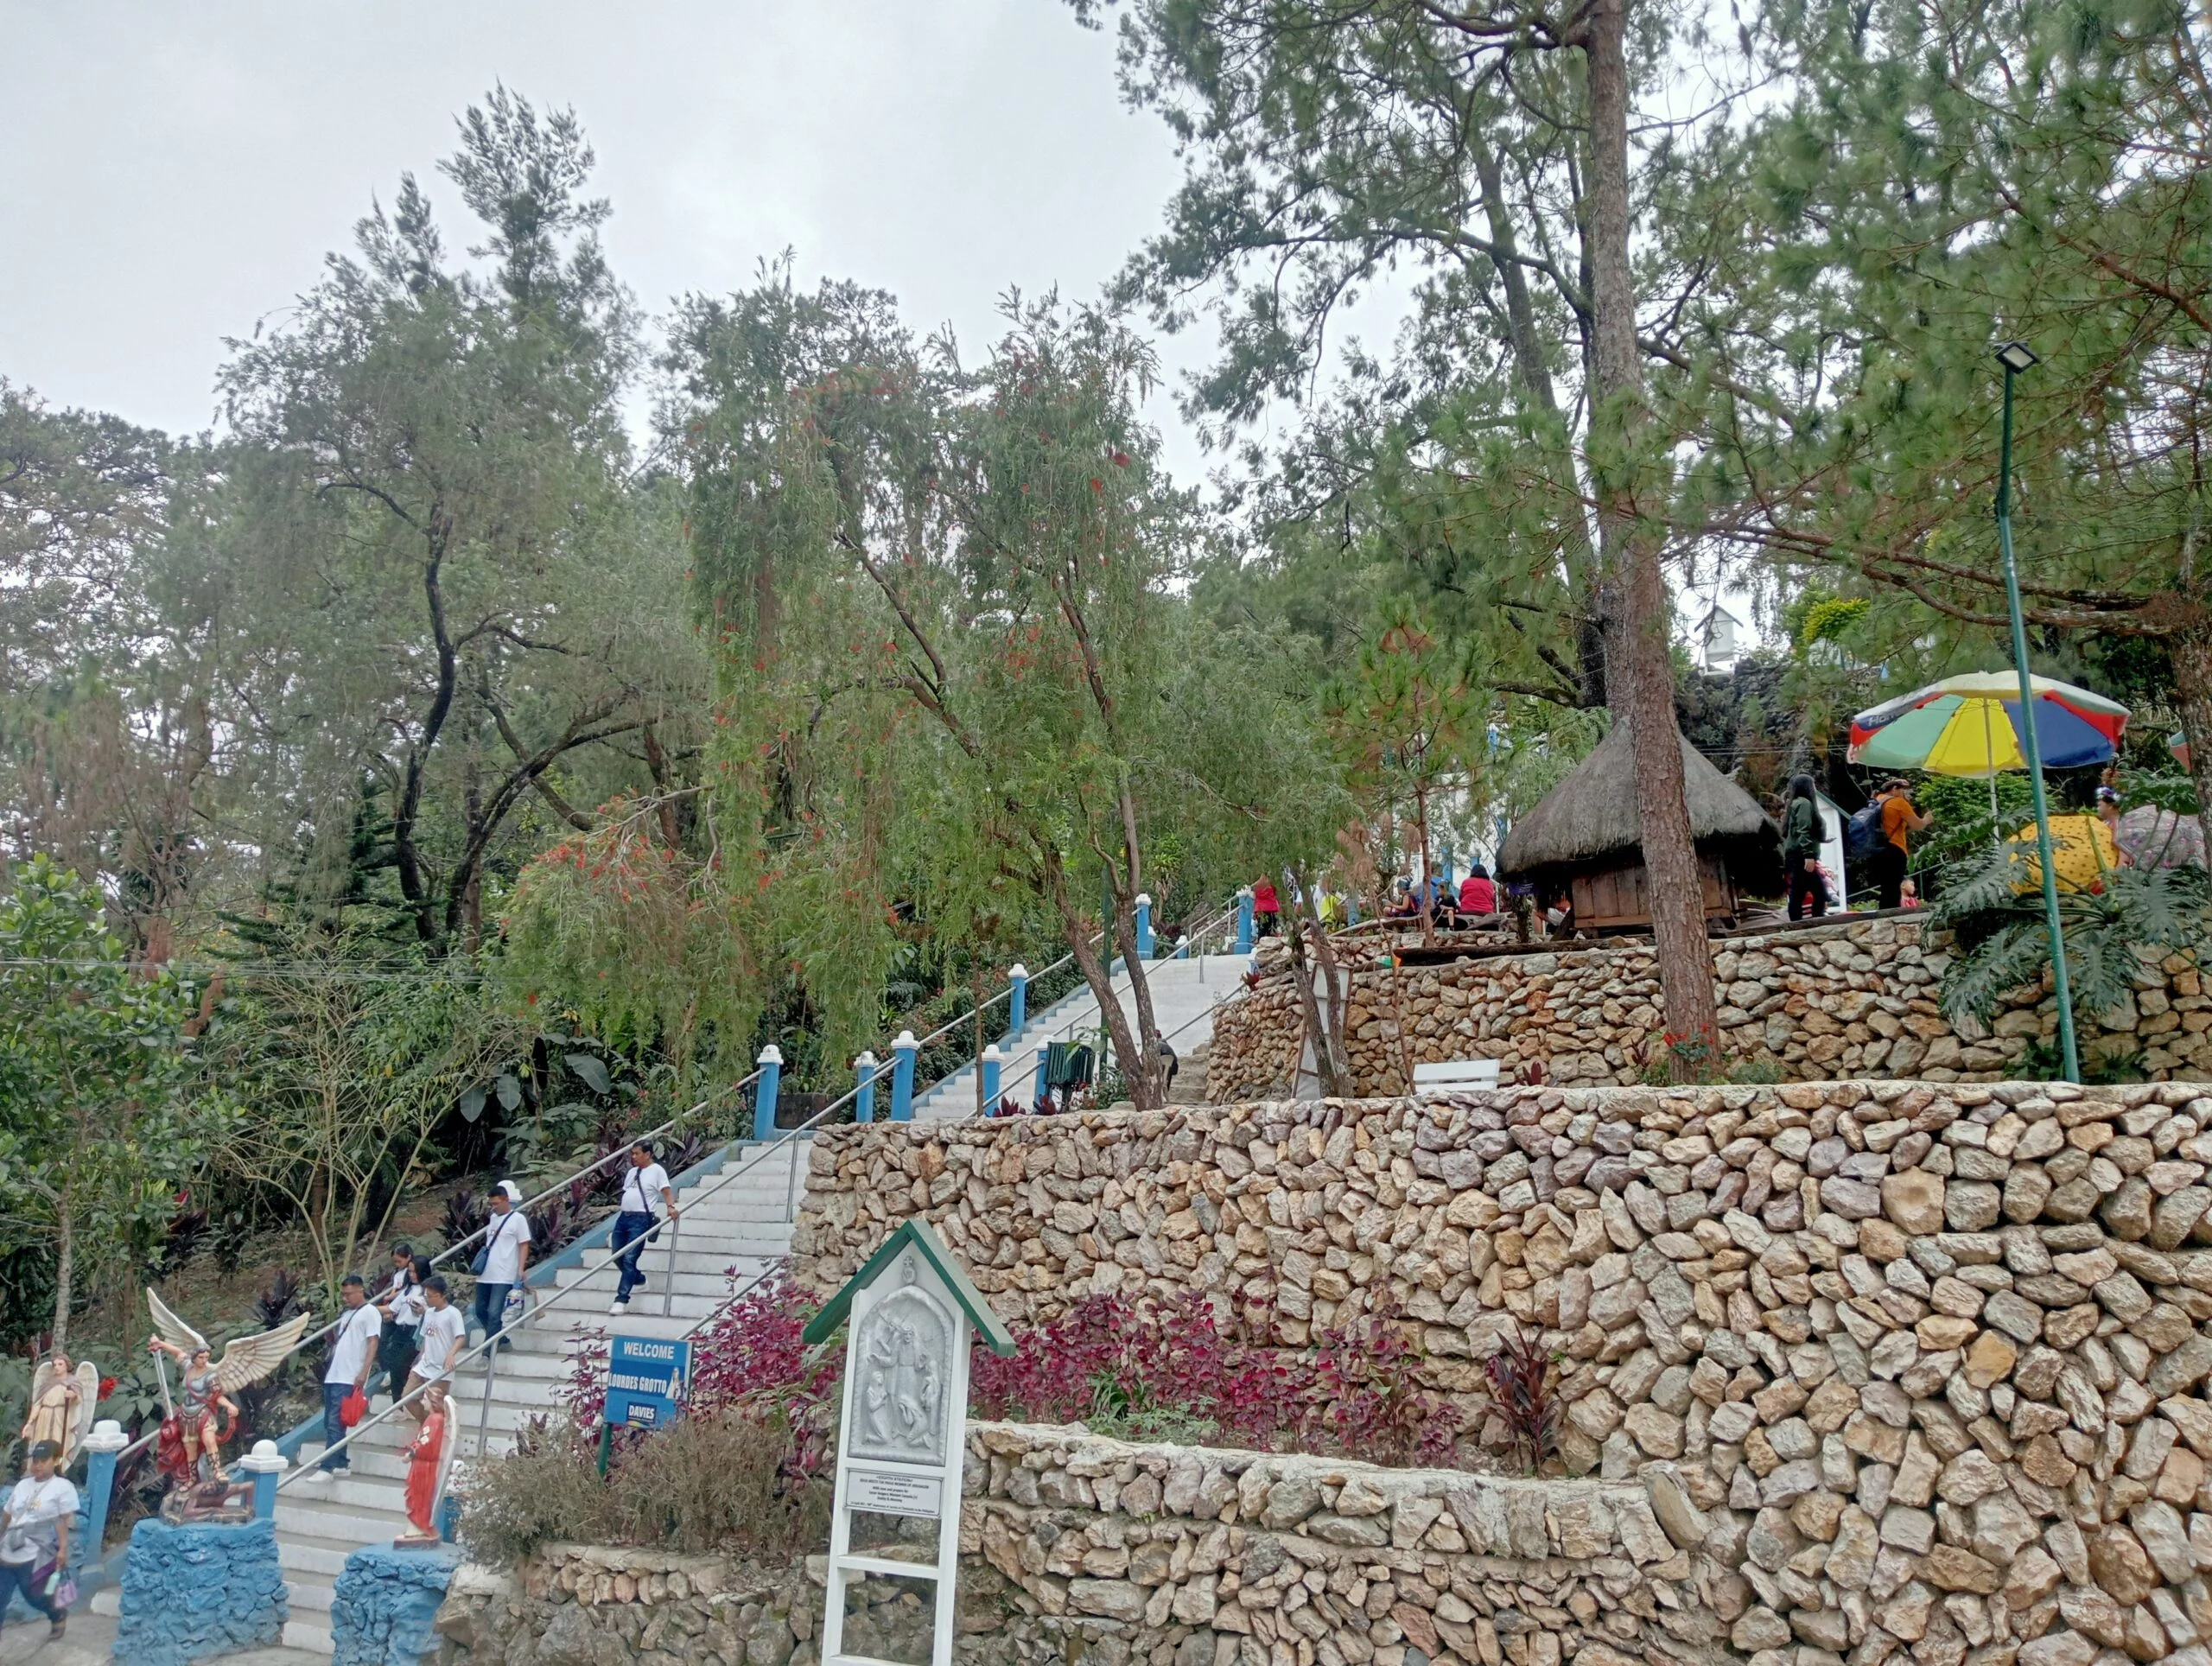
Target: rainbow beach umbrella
{"x":1970,"y":725}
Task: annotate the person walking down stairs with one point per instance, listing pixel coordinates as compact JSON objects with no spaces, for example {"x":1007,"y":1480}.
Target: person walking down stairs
{"x":502,"y":1261}
{"x":352,"y":1354}
{"x":634,"y":1224}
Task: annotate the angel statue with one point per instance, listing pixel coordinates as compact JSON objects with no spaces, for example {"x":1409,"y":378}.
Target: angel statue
{"x":191,"y":1442}
{"x":62,"y":1400}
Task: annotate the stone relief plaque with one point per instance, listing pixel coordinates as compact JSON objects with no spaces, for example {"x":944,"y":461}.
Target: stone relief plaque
{"x":905,"y":1349}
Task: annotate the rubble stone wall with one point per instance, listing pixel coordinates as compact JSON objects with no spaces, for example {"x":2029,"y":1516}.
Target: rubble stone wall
{"x":1932,"y":1358}
{"x":1852,"y":1001}
{"x":1075,"y":1547}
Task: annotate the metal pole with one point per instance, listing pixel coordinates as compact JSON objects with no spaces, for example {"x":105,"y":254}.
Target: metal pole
{"x":484,"y":1423}
{"x":668,"y":1284}
{"x":2059,"y":983}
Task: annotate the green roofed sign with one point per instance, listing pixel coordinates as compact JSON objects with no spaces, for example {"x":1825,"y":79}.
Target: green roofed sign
{"x":962,"y":1288}
{"x":908,"y":1318}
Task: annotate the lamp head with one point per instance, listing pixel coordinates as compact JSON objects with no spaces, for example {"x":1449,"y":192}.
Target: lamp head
{"x":2016,"y":356}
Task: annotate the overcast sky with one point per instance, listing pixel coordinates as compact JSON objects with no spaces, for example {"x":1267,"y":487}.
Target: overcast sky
{"x":178,"y":172}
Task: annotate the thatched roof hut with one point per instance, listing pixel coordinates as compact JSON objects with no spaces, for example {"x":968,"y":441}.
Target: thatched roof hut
{"x":1585,"y":839}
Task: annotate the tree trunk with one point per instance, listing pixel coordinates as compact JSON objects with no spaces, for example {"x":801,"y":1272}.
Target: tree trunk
{"x":1323,"y":1006}
{"x":64,"y":1272}
{"x":1097,"y":973}
{"x":1146,"y":1090}
{"x":1638,"y":624}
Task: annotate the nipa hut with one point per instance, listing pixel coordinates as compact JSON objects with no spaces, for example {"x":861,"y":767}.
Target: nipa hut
{"x":1585,"y":840}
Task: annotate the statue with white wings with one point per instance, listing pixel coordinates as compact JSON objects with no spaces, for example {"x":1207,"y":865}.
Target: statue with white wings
{"x":62,"y":1400}
{"x":192,"y":1436}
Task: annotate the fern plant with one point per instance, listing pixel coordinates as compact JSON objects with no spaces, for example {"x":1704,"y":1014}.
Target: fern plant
{"x":1994,"y":904}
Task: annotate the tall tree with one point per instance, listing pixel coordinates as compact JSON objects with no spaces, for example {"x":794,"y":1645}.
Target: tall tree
{"x":951,"y":598}
{"x":1943,"y":181}
{"x":451,"y":587}
{"x":102,"y":1123}
{"x":1490,"y":147}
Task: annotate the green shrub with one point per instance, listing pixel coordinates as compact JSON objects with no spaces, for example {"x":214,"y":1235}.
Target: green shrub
{"x":718,"y":1483}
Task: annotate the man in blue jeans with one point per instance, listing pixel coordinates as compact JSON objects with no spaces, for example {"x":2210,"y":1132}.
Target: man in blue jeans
{"x":352,"y":1353}
{"x":645,"y":1180}
{"x":506,"y":1258}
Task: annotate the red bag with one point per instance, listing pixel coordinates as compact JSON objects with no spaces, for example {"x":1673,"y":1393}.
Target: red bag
{"x":352,"y":1409}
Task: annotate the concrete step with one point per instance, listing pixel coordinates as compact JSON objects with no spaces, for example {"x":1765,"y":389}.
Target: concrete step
{"x":309,"y":1637}
{"x":738,"y":1222}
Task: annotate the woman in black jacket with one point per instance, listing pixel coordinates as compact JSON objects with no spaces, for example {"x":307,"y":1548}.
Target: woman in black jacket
{"x":1801,"y":850}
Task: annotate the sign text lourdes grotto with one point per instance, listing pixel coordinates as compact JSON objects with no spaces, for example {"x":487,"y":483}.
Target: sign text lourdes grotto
{"x":895,"y":1537}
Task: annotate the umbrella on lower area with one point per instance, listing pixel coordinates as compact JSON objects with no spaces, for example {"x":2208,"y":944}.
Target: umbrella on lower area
{"x":1971,"y":725}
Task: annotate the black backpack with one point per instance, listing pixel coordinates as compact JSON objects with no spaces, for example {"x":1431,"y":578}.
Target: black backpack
{"x":1862,"y":833}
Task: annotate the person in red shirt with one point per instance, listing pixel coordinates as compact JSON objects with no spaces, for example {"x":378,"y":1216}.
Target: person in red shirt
{"x":1266,"y":907}
{"x":1477,"y":894}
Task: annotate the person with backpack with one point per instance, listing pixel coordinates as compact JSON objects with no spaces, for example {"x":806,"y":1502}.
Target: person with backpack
{"x":1898,"y":820}
{"x":1801,"y":850}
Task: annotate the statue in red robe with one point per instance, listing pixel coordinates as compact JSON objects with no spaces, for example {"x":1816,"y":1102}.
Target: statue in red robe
{"x":426,"y":1462}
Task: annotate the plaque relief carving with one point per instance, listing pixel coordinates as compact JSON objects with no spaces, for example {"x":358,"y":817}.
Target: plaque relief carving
{"x":905,"y":1351}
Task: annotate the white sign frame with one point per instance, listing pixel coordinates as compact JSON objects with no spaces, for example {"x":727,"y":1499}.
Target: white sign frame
{"x":863,"y":1466}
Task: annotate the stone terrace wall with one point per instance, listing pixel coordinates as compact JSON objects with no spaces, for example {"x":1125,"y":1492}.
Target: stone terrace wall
{"x":1855,"y":1000}
{"x":1931,"y":1356}
{"x":1075,"y":1547}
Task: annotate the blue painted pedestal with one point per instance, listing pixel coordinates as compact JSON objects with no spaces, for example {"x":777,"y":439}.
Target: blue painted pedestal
{"x":204,"y":1588}
{"x":386,"y":1600}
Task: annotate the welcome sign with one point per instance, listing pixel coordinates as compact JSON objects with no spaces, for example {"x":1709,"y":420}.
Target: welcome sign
{"x":646,"y":1379}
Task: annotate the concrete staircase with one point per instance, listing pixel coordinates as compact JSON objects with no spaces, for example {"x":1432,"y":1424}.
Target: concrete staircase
{"x":1184,"y":994}
{"x":740,"y":1225}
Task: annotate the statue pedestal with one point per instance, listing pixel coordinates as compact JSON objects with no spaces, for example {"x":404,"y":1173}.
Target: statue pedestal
{"x":386,"y":1599}
{"x":198,"y":1589}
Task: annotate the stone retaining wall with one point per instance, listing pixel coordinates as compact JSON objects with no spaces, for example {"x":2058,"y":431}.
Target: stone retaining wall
{"x":386,"y":1600}
{"x":1854,"y":1000}
{"x":1075,"y":1547}
{"x":1931,"y":1356}
{"x":198,"y":1590}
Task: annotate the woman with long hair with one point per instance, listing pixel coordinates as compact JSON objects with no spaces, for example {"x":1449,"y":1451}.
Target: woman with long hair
{"x":1800,"y":848}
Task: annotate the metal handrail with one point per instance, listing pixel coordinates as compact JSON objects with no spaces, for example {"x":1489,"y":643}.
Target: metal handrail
{"x":491,"y":1342}
{"x":1102,"y":938}
{"x":487,"y":1349}
{"x":451,"y":1250}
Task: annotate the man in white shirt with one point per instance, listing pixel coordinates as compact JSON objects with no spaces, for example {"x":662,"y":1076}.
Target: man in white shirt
{"x":34,"y":1531}
{"x":443,"y":1333}
{"x":353,"y":1352}
{"x":506,"y":1258}
{"x":643,"y":1181}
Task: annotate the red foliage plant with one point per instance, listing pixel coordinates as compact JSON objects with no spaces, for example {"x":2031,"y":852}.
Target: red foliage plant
{"x":751,"y":1358}
{"x":1167,"y":1369}
{"x":1524,"y":1395}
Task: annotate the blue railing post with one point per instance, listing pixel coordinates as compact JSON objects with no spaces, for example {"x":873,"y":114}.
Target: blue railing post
{"x":1144,"y":927}
{"x":1017,"y":1017}
{"x":1447,"y":865}
{"x":902,"y":1076}
{"x":265,"y":1463}
{"x":993,"y":1062}
{"x":764,"y":1095}
{"x":1244,"y":921}
{"x":864,"y":1101}
{"x":1044,"y":1052}
{"x":1352,"y":909}
{"x":102,"y":1446}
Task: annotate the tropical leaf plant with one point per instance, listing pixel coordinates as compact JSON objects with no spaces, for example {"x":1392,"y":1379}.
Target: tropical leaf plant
{"x":2130,"y":916}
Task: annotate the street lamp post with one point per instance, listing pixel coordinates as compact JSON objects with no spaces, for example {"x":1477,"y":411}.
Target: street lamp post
{"x":2016,"y":357}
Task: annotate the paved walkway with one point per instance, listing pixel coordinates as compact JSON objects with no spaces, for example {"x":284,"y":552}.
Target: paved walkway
{"x":90,"y":1642}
